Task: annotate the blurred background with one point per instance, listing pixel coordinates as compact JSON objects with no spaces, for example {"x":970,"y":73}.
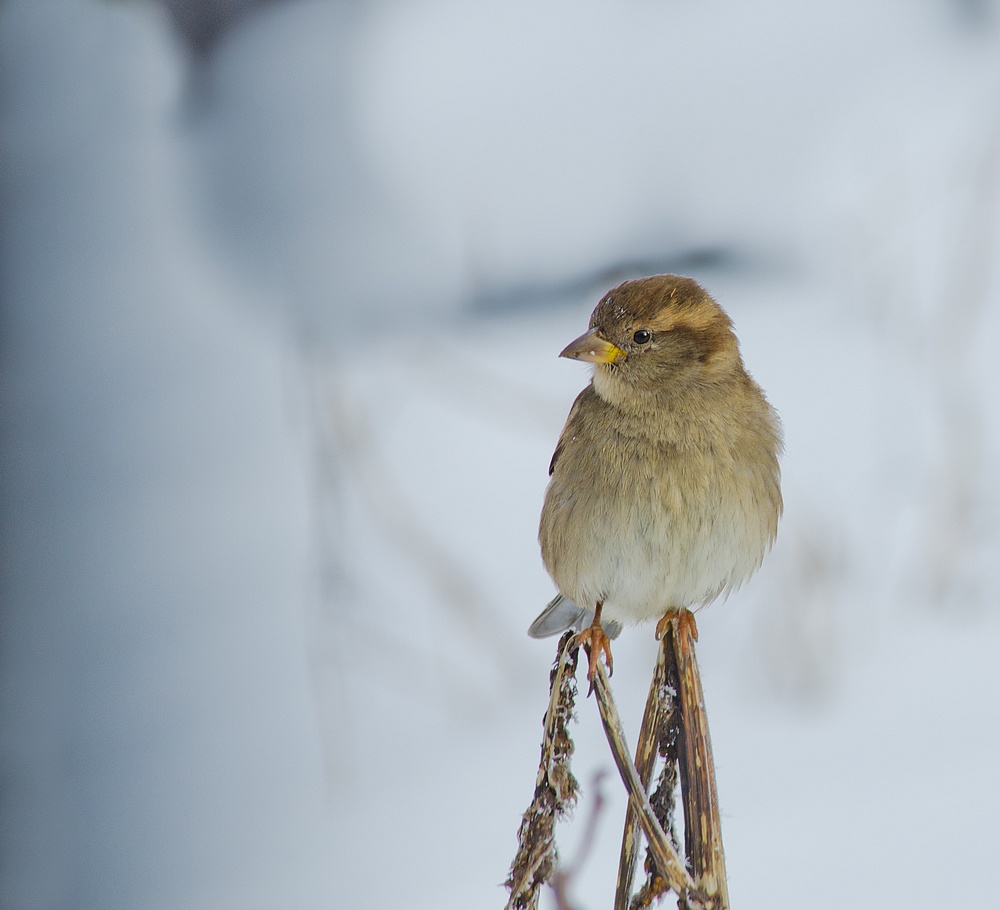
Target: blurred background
{"x":283,"y":286}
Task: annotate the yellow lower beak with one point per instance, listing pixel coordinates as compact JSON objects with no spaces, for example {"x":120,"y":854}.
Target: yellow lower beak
{"x":591,"y":347}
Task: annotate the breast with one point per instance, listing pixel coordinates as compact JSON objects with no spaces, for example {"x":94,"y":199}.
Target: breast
{"x":656,"y":525}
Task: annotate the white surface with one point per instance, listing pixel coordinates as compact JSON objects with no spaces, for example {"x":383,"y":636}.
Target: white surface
{"x":270,"y":555}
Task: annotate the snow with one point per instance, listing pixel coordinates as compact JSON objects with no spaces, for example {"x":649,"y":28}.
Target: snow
{"x":272,"y":469}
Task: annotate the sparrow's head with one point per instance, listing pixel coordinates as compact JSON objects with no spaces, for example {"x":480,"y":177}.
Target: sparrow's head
{"x":657,"y":333}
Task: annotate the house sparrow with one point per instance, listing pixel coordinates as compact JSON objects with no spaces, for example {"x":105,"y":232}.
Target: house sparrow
{"x":665,"y":484}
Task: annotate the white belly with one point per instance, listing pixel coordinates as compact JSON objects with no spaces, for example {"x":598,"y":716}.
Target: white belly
{"x":640,"y":569}
{"x":642,"y":556}
{"x":647,"y":523}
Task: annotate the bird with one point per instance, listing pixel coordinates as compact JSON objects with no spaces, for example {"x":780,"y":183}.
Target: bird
{"x":665,"y":485}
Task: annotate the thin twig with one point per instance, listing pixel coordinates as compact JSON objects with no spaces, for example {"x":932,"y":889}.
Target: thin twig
{"x":671,"y":865}
{"x":645,"y":759}
{"x":662,"y":799}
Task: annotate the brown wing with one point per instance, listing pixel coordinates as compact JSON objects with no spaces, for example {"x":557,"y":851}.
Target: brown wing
{"x":555,"y":455}
{"x":588,"y":391}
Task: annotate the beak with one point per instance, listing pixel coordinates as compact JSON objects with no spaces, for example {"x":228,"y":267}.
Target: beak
{"x":592,"y":348}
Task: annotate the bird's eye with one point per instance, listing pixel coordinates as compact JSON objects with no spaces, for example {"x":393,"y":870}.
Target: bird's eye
{"x":642,"y":336}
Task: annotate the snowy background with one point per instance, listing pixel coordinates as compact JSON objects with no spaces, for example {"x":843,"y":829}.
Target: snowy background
{"x":283,"y":286}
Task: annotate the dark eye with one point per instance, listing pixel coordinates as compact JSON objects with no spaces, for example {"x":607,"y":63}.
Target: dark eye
{"x":642,"y":336}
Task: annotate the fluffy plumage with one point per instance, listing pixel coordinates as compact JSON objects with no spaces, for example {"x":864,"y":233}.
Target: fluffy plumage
{"x":665,"y":483}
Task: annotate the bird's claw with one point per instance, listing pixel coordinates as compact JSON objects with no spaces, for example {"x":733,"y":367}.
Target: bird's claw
{"x":685,"y":621}
{"x":596,"y":642}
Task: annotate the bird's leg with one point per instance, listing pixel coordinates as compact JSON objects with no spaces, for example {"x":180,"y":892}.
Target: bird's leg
{"x":595,"y":640}
{"x":684,"y":617}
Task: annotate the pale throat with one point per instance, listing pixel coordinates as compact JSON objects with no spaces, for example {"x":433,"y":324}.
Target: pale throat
{"x":622,"y":394}
{"x":609,"y":385}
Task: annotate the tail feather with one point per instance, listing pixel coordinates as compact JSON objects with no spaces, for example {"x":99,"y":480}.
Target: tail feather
{"x":562,"y":614}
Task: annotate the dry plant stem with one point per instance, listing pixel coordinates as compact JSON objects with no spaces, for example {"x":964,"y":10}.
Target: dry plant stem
{"x":702,"y":827}
{"x":645,"y":760}
{"x":662,"y":799}
{"x":555,"y":788}
{"x":671,"y":866}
